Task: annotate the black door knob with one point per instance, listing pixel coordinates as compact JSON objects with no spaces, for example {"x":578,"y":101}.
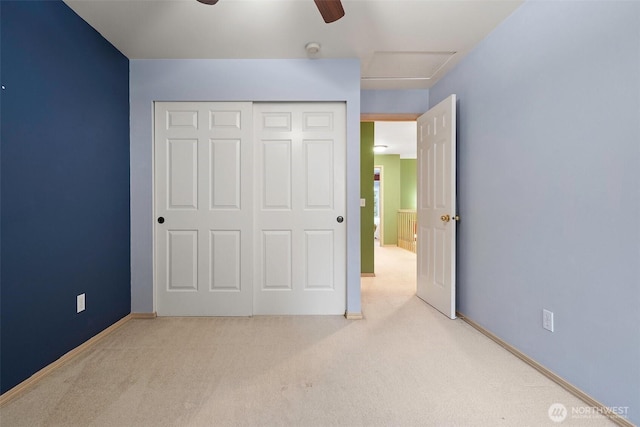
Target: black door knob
{"x":160,"y":220}
{"x":340,"y":219}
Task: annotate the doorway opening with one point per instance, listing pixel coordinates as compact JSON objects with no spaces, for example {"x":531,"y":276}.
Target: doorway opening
{"x":395,"y":194}
{"x":434,"y":200}
{"x":377,"y":205}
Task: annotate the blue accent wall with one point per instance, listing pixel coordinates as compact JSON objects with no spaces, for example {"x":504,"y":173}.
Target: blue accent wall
{"x":549,"y":190}
{"x":64,"y":185}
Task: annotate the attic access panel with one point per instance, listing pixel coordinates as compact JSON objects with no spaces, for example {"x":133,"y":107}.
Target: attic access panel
{"x":406,"y":65}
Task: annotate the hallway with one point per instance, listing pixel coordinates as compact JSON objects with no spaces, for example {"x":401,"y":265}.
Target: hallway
{"x":395,"y":270}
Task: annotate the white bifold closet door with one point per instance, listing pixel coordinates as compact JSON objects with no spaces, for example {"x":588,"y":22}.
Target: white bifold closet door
{"x":300,"y":234}
{"x":249,"y":208}
{"x":203,"y":208}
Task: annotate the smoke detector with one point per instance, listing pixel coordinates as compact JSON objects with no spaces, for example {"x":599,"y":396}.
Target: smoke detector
{"x":312,"y":48}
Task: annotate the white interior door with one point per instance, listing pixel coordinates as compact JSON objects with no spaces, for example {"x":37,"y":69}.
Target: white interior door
{"x":300,"y":240}
{"x":436,"y":245}
{"x":203,"y":206}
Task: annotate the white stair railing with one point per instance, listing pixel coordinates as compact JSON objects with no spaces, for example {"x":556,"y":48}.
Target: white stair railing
{"x":407,"y":229}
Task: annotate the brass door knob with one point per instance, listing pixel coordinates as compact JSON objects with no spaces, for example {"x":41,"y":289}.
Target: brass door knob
{"x":445,"y":218}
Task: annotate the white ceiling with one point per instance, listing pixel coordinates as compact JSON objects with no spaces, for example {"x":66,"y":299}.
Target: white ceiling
{"x":401,"y":44}
{"x":416,"y":41}
{"x":399,"y":137}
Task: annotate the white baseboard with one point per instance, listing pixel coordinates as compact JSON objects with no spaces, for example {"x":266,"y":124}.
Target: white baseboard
{"x":152,"y":315}
{"x":24,"y":385}
{"x":616,"y":418}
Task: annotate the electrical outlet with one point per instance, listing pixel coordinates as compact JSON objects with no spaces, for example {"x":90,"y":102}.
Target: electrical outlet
{"x":363,"y":203}
{"x":547,"y":320}
{"x":80,"y":303}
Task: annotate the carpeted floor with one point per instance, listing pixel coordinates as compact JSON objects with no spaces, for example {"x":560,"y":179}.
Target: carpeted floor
{"x":403,"y":365}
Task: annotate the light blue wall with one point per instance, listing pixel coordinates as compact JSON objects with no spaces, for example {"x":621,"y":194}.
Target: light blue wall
{"x":549,"y":190}
{"x":234,"y":80}
{"x":394,"y":101}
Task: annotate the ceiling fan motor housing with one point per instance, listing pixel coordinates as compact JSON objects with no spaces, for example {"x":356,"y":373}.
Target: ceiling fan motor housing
{"x":331,"y":10}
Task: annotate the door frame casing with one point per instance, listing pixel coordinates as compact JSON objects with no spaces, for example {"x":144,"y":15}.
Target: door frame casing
{"x":380,"y":205}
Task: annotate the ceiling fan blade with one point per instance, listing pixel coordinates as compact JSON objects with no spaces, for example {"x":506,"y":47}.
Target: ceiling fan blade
{"x":331,"y":10}
{"x":208,"y":1}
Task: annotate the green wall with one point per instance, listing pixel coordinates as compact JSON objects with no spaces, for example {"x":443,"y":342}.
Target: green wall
{"x":366,"y":192}
{"x":408,"y":180}
{"x":390,"y":196}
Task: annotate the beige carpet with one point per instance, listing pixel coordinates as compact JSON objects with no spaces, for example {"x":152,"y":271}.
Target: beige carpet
{"x":404,"y":365}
